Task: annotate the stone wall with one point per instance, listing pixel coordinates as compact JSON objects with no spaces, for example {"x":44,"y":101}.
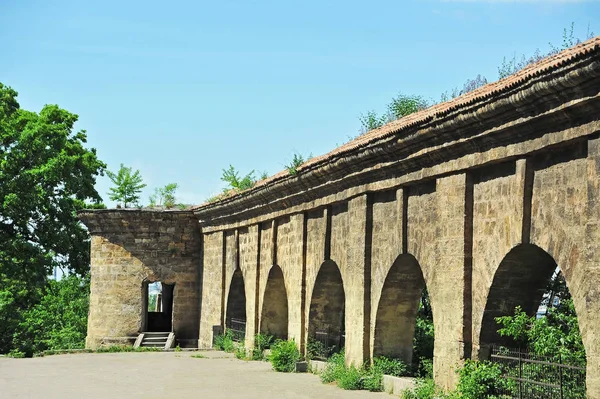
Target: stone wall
{"x":130,"y":248}
{"x":476,"y":200}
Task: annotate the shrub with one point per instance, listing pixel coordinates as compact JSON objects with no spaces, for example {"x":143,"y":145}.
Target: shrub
{"x":261,"y":342}
{"x":334,"y":368}
{"x":351,"y":379}
{"x":373,"y":380}
{"x":224,"y":342}
{"x":388,"y":366}
{"x":424,"y":389}
{"x":481,"y":380}
{"x":240,"y":352}
{"x":284,"y":355}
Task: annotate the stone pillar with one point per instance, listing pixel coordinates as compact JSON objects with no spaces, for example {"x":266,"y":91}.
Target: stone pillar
{"x":212,"y":288}
{"x":357,"y":282}
{"x":586,"y":296}
{"x":449,"y":280}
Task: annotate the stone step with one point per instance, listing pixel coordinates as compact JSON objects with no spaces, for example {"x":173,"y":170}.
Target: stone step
{"x":155,"y":339}
{"x":164,"y":340}
{"x":153,"y":344}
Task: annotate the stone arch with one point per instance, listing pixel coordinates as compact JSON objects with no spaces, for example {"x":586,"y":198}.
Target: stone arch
{"x":274,"y":315}
{"x":520,"y":280}
{"x":328,"y":305}
{"x":397,"y":309}
{"x":236,"y":300}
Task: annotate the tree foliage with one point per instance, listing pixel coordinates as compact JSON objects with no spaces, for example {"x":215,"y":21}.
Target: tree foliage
{"x":59,"y":320}
{"x":296,"y":161}
{"x":46,"y":175}
{"x":164,"y":196}
{"x":127,"y":186}
{"x":237,"y":182}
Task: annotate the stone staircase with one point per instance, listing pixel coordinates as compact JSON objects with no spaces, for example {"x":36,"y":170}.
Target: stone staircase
{"x":164,"y":340}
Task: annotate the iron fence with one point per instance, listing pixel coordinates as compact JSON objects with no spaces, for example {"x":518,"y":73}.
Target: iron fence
{"x":238,"y":329}
{"x":530,"y":376}
{"x":324,"y":344}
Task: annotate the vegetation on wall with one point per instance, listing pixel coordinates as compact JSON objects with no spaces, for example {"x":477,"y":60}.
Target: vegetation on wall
{"x":127,"y":186}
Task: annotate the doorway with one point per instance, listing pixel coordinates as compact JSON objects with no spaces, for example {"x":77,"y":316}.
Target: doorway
{"x":158,"y":307}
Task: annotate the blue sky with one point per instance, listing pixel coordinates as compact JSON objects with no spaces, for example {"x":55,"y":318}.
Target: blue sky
{"x":182,"y":89}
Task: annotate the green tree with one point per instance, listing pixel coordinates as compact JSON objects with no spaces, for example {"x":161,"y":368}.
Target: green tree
{"x":404,"y":105}
{"x":164,"y":196}
{"x":237,"y":182}
{"x":128,"y":186}
{"x":371,"y":120}
{"x":46,"y":174}
{"x":59,"y":320}
{"x":296,"y":161}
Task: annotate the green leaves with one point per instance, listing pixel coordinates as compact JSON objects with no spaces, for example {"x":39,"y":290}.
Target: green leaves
{"x":232,"y":177}
{"x":128,"y":186}
{"x":296,"y":161}
{"x":164,"y":196}
{"x":46,"y":174}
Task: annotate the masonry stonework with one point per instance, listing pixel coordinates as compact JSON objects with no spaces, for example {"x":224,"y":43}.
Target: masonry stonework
{"x":478,"y":200}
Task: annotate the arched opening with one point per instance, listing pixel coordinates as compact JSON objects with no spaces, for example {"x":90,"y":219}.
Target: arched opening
{"x":158,"y":306}
{"x":538,"y":345}
{"x":274,"y":315}
{"x":235,"y":317}
{"x":397,"y":310}
{"x":521,"y":280}
{"x":326,"y":326}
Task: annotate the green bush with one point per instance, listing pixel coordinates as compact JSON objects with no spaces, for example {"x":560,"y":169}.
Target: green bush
{"x":479,"y":380}
{"x":334,"y":368}
{"x":351,"y":379}
{"x":240,"y":352}
{"x":389,"y":366}
{"x":373,"y":380}
{"x":284,"y":355}
{"x":425,"y":388}
{"x":261,"y":342}
{"x":224,"y":342}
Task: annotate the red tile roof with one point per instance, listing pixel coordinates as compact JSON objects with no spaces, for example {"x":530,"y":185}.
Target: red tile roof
{"x":545,"y":65}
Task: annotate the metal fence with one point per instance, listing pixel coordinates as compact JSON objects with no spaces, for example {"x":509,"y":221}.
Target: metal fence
{"x":324,"y":344}
{"x":238,"y":329}
{"x":531,"y":376}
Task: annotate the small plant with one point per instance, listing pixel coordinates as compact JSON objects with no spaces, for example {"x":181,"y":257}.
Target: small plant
{"x":164,"y":196}
{"x":424,"y":389}
{"x":224,"y":342}
{"x":388,"y":366}
{"x":261,"y":342}
{"x":373,"y":380}
{"x":351,"y":379}
{"x":17,"y":354}
{"x":240,"y":352}
{"x":481,"y":380}
{"x":284,"y":355}
{"x":198,"y":356}
{"x":127,"y":186}
{"x":296,"y":161}
{"x":178,"y":348}
{"x":334,"y":368}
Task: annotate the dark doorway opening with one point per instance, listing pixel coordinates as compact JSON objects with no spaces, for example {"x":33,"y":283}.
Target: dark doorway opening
{"x":158,"y":307}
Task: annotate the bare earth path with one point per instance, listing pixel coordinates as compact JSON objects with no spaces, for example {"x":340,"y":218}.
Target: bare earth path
{"x":157,"y":375}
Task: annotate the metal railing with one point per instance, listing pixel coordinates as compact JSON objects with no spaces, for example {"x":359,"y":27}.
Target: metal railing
{"x":324,"y":344}
{"x":238,"y":329}
{"x":532,"y":376}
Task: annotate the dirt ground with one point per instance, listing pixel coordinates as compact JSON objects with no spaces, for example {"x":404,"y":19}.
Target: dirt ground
{"x":157,"y":375}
